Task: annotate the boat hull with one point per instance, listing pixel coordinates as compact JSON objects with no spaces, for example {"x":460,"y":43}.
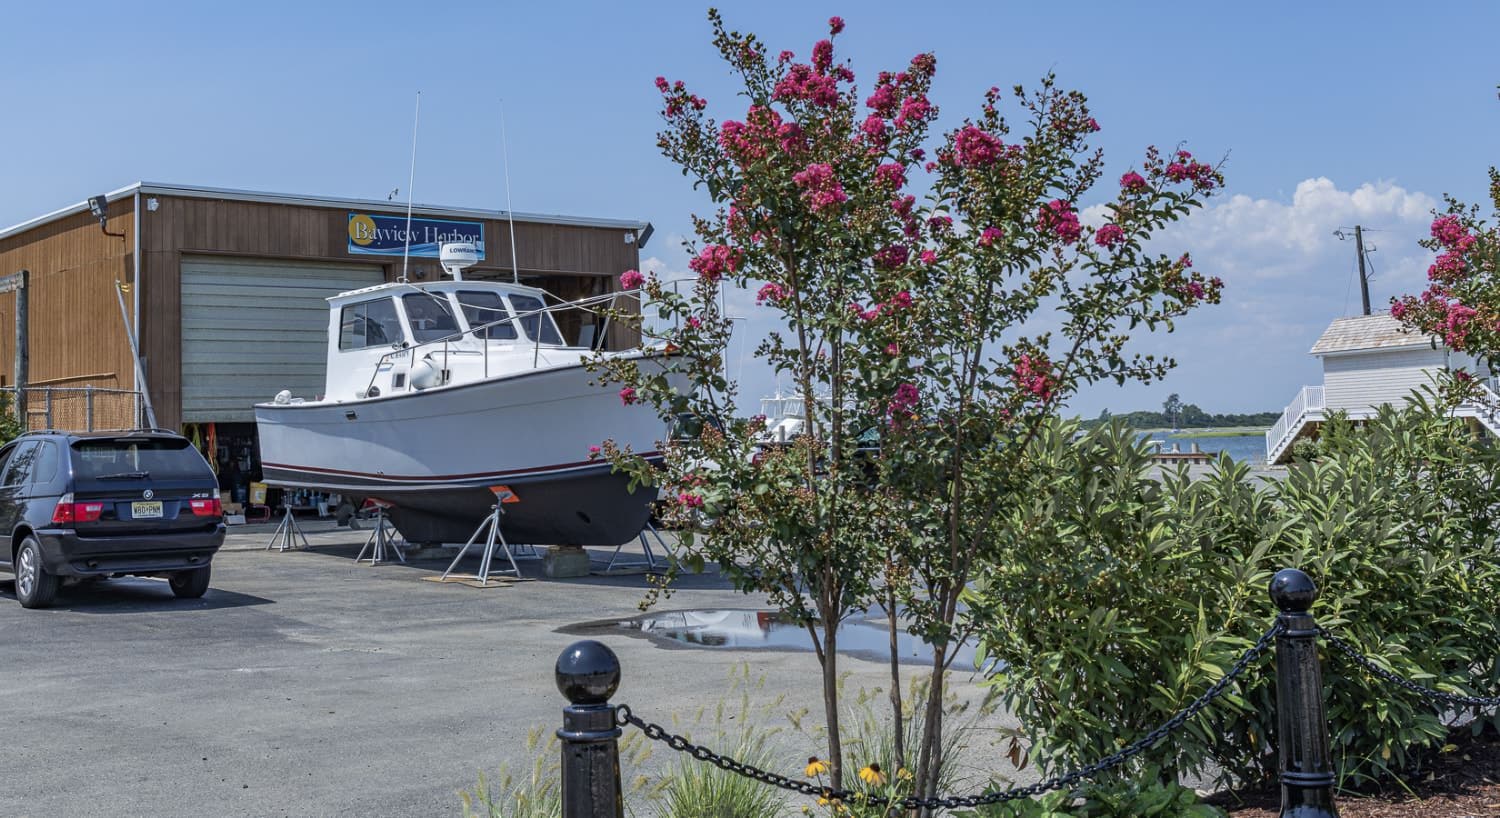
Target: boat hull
{"x":435,"y":454}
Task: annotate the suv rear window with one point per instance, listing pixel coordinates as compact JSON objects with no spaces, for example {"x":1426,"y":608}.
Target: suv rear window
{"x":136,"y":458}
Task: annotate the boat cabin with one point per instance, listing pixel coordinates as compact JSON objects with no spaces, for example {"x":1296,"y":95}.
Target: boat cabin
{"x":402,"y":337}
{"x":1370,"y":361}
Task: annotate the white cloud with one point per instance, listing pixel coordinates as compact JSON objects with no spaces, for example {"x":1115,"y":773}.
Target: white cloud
{"x":1286,"y":277}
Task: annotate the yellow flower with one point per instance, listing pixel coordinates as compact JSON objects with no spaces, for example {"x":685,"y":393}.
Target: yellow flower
{"x":903,"y":773}
{"x":816,"y":766}
{"x":872,"y":775}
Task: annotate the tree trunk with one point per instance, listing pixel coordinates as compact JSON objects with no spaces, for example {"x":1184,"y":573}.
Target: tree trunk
{"x":929,"y":761}
{"x":831,"y":704}
{"x":897,"y":722}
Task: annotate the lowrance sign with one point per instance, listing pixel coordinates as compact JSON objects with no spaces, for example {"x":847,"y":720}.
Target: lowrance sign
{"x":372,"y":234}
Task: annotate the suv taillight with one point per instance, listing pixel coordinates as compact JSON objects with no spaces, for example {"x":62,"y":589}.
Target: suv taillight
{"x":207,"y":508}
{"x":68,"y":511}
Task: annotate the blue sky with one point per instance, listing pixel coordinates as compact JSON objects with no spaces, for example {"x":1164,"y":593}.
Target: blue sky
{"x":1330,"y":113}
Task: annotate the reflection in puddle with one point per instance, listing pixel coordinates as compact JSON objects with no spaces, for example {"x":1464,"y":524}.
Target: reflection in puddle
{"x":738,"y":629}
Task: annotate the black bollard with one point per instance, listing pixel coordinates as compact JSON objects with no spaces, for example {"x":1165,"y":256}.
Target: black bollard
{"x":588,"y":673}
{"x":1306,"y":769}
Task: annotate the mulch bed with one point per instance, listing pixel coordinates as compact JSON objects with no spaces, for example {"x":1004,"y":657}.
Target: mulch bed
{"x":1464,"y":783}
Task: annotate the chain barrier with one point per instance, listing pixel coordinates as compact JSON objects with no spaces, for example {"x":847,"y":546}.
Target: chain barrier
{"x":1364,"y":661}
{"x":656,"y":732}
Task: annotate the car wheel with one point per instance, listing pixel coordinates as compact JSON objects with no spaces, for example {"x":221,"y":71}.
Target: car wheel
{"x":190,"y":584}
{"x":35,"y":588}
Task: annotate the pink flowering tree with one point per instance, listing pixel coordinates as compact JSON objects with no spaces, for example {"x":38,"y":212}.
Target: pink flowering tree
{"x":1461,"y":304}
{"x":908,"y":271}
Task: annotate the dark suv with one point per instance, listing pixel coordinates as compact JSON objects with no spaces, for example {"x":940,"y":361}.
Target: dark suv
{"x":96,"y":505}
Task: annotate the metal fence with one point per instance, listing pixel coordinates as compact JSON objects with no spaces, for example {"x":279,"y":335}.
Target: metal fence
{"x":588,"y":673}
{"x":77,"y":408}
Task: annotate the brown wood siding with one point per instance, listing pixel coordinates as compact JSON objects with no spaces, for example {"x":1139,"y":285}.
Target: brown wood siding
{"x":76,"y":335}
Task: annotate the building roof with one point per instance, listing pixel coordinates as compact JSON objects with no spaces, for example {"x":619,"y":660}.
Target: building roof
{"x":643,"y":229}
{"x":1367,"y":332}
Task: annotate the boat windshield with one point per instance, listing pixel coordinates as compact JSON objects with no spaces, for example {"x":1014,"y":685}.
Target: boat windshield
{"x":482,"y":308}
{"x":529,"y":304}
{"x":430,"y":318}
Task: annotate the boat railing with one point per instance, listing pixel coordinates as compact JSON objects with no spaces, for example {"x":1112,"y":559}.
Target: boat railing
{"x":519,"y":319}
{"x":1308,"y":398}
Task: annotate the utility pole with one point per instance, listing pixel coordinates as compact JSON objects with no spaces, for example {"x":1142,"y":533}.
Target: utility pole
{"x":1359,"y":250}
{"x":1364,"y":280}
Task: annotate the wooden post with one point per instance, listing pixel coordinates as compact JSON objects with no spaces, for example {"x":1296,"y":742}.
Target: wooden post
{"x":23,"y":352}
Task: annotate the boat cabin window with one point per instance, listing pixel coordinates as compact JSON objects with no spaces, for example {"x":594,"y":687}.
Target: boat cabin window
{"x":369,"y":324}
{"x":431,"y":318}
{"x":480,"y":308}
{"x":536,"y":320}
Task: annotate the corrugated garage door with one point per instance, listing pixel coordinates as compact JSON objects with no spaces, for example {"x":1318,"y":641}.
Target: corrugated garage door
{"x":252,"y":328}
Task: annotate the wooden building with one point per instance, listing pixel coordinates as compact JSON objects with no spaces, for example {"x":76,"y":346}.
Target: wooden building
{"x":225,"y":289}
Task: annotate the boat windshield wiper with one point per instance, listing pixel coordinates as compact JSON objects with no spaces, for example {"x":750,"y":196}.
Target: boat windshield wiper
{"x":124,"y":475}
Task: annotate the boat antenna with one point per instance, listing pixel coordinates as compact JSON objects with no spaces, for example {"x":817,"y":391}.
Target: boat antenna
{"x":510,"y":214}
{"x":411,"y":182}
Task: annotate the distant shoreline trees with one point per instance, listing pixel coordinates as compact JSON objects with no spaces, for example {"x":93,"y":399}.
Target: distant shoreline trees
{"x":1178,"y":415}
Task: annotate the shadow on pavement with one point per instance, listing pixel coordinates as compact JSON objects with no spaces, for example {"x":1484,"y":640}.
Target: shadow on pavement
{"x":135,"y":595}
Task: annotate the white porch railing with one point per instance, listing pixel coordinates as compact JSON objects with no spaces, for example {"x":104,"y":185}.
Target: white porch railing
{"x":1309,"y":398}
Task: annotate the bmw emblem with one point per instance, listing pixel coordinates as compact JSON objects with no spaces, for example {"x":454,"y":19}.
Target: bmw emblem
{"x":148,"y":494}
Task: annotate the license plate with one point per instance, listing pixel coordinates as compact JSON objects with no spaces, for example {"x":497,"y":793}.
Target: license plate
{"x":140,"y":511}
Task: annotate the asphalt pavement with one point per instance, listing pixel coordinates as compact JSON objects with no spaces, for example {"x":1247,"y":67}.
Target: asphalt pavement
{"x":304,"y":684}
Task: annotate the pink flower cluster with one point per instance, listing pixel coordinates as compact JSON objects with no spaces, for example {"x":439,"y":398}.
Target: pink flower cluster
{"x":1057,"y":217}
{"x":1109,"y":235}
{"x":678,"y":97}
{"x":1450,"y":232}
{"x":690,"y":500}
{"x":1133,"y":182}
{"x":892,"y":174}
{"x":928,"y":257}
{"x":631,"y":279}
{"x":1447,"y":268}
{"x":772,"y":292}
{"x":1399,"y":309}
{"x":940,"y":224}
{"x":805,"y":82}
{"x":820,"y":188}
{"x":891,"y":256}
{"x":749,"y":141}
{"x":903,"y":401}
{"x":990,"y":235}
{"x":714,"y":261}
{"x":1456,"y":325}
{"x":1187,"y":169}
{"x":1034,"y":376}
{"x":628,"y":396}
{"x":874,"y":131}
{"x":835,"y":25}
{"x":594,"y":451}
{"x":974,"y":147}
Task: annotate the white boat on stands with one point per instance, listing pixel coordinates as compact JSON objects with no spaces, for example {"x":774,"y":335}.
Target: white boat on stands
{"x":435,"y":393}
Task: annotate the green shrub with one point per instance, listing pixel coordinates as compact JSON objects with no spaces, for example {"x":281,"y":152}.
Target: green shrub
{"x":1124,"y":597}
{"x":1145,"y":798}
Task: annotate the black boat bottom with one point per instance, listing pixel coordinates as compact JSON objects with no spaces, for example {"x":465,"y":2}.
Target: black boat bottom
{"x":595,"y":508}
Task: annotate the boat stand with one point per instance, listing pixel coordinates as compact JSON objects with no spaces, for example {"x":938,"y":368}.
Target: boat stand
{"x":380,"y":539}
{"x":287,"y":534}
{"x":650,"y":562}
{"x":490,"y":530}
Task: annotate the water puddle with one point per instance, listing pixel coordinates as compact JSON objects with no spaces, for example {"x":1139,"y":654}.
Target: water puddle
{"x":771,"y":630}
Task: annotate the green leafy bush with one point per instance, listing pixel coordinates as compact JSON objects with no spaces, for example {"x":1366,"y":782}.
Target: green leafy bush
{"x":1144,"y":798}
{"x":1126,"y":596}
